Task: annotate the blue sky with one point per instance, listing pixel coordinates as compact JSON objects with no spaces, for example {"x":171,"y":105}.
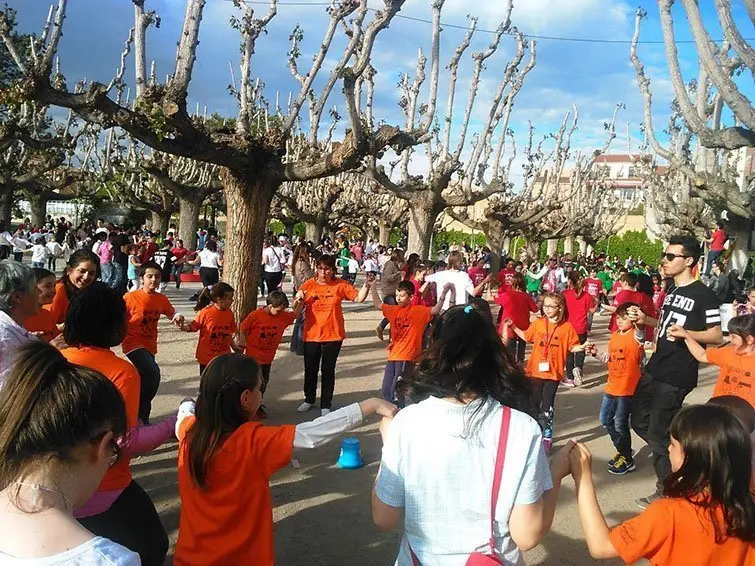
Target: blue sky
{"x":595,"y":76}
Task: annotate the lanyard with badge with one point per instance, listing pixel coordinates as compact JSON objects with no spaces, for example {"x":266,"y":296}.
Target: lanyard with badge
{"x":545,"y":366}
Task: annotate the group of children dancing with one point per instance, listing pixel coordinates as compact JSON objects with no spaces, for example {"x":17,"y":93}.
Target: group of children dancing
{"x":70,"y":423}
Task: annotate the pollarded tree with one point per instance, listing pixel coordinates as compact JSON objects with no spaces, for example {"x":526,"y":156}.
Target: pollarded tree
{"x":484,"y":171}
{"x":253,"y":158}
{"x":312,"y":202}
{"x":700,"y":110}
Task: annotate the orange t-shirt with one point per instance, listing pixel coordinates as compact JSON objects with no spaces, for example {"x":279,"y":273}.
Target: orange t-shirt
{"x":43,"y":322}
{"x":126,"y":379}
{"x":59,"y":305}
{"x":550,"y":343}
{"x":231,"y":521}
{"x":264,"y":332}
{"x":737,"y":373}
{"x":216,"y":330}
{"x":674,"y":532}
{"x":144,"y":311}
{"x":624,"y":359}
{"x":323,"y":316}
{"x":407,"y":329}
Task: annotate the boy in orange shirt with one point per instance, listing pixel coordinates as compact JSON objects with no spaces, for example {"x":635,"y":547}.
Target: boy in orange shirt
{"x":736,"y":360}
{"x":262,"y":331}
{"x":42,"y":324}
{"x":408,"y":323}
{"x":145,"y":306}
{"x":215,"y":323}
{"x":552,"y":339}
{"x":624,"y":359}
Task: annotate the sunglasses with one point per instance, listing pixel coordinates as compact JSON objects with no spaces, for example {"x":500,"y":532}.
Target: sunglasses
{"x":671,"y":257}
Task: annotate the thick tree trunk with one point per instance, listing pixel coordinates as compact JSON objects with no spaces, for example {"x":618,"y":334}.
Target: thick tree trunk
{"x":160,"y":222}
{"x":314,"y":230}
{"x":424,"y":209}
{"x":533,"y":249}
{"x":188,"y":222}
{"x":384,"y":233}
{"x":6,"y":208}
{"x":569,"y":245}
{"x":248,"y":201}
{"x":38,"y":203}
{"x":497,"y":245}
{"x":740,"y":229}
{"x":551,"y":247}
{"x":582,"y":245}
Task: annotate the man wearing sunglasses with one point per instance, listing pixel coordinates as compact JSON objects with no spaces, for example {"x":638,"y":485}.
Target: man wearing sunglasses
{"x":671,"y":372}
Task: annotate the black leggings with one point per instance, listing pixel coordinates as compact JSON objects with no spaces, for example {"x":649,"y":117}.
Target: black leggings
{"x":133,"y":522}
{"x":544,"y":399}
{"x":575,"y":359}
{"x":270,"y":278}
{"x":314,"y":352}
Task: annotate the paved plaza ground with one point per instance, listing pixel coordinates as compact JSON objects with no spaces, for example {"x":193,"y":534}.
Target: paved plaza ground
{"x":321,"y":512}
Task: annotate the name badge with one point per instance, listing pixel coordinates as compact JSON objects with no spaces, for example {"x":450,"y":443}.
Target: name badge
{"x":543,"y":367}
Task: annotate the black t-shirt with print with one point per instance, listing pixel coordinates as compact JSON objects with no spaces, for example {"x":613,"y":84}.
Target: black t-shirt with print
{"x":694,"y":307}
{"x":164,"y":258}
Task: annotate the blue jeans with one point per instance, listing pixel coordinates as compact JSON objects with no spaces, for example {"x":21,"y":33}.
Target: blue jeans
{"x":614,"y":416}
{"x":118,"y":277}
{"x":106,"y":273}
{"x":713,"y":256}
{"x":393,"y":371}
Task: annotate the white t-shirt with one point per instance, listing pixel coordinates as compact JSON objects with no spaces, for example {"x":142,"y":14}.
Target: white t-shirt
{"x":39,"y":252}
{"x":209,"y":259}
{"x":370,"y":265}
{"x":98,"y":551}
{"x":353,"y":265}
{"x":459,"y":279}
{"x":54,"y":248}
{"x":439,"y":467}
{"x":275,"y":259}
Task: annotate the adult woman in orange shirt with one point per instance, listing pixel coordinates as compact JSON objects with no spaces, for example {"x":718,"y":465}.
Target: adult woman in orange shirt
{"x":82,"y":269}
{"x":324,"y":330}
{"x":120,"y":509}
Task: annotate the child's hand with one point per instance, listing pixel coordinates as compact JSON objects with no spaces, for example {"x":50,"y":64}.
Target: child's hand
{"x":179,"y":321}
{"x":560,"y":465}
{"x":636,"y":315}
{"x":508,"y":322}
{"x":299,"y":296}
{"x":591,"y":349}
{"x":59,"y":342}
{"x":677,"y":331}
{"x":580,"y":462}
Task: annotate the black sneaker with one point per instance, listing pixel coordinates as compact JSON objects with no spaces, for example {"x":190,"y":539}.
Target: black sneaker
{"x":644,"y":502}
{"x":621,"y":466}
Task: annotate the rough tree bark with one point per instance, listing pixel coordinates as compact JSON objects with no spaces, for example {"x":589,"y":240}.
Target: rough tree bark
{"x":248,"y":201}
{"x":188,"y":221}
{"x":38,"y":204}
{"x":6,"y":207}
{"x":424,"y":209}
{"x":384,"y":233}
{"x":160,"y":222}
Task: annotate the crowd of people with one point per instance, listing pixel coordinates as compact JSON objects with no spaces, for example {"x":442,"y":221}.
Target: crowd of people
{"x":467,"y":408}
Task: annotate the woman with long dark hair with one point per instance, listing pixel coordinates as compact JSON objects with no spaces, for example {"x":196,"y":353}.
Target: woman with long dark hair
{"x":439,"y":455}
{"x":82,"y":269}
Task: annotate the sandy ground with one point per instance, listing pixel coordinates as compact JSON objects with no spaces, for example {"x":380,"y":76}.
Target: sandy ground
{"x":321,"y":512}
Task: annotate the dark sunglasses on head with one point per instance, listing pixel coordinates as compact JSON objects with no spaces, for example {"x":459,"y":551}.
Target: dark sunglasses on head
{"x":671,"y":257}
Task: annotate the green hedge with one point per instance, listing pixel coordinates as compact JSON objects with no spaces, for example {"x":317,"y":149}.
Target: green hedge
{"x":634,"y":243}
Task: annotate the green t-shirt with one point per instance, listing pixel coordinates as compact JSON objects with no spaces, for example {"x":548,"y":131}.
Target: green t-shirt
{"x":607,"y":281}
{"x":533,"y":285}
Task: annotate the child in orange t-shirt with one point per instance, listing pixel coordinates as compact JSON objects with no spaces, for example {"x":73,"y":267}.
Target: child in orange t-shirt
{"x":226,"y":460}
{"x":408,"y":323}
{"x":42,"y":324}
{"x":215,"y":322}
{"x":552,"y":339}
{"x":706,"y":515}
{"x":736,"y":360}
{"x":624,"y":359}
{"x":262,"y":331}
{"x":145,"y":306}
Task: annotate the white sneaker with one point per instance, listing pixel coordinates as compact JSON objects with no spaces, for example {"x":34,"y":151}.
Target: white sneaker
{"x":577,"y":373}
{"x":304,"y":407}
{"x":324,"y":412}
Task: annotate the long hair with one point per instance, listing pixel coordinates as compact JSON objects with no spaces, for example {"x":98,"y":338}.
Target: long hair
{"x":467,"y":358}
{"x":411,"y":263}
{"x":715,"y":474}
{"x":299,"y":252}
{"x":49,"y":406}
{"x":577,"y":281}
{"x":212,"y":293}
{"x":218,"y":411}
{"x":77,"y":258}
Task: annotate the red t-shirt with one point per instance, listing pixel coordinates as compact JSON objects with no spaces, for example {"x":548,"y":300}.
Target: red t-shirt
{"x":718,"y":239}
{"x":505,"y":276}
{"x":476,"y":274}
{"x":517,"y":306}
{"x":180,"y":253}
{"x":593,"y":287}
{"x":577,"y":308}
{"x":658,"y":297}
{"x":426,"y":299}
{"x":645,"y":302}
{"x":264,"y":332}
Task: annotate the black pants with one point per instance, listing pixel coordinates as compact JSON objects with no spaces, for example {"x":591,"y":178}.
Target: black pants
{"x":388,"y":300}
{"x":18,"y":256}
{"x":517,"y":348}
{"x":575,"y":359}
{"x":209,"y":276}
{"x":654,"y":406}
{"x":133,"y":522}
{"x":4,"y":252}
{"x":265,"y":370}
{"x":544,"y":399}
{"x":314,"y":352}
{"x":272,"y":279}
{"x":149,"y":372}
{"x":51,"y":263}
